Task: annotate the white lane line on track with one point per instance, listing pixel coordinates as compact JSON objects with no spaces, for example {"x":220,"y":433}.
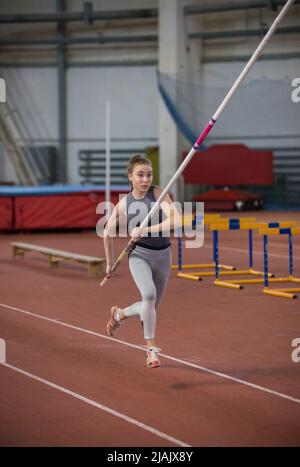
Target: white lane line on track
{"x":104,"y":408}
{"x":240,"y":250}
{"x":281,"y":245}
{"x":174,"y":359}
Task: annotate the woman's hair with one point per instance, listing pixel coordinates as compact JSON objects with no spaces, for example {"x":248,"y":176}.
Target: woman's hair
{"x":137,"y":159}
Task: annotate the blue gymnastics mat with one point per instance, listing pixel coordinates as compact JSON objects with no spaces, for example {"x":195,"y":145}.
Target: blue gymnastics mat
{"x":56,"y":189}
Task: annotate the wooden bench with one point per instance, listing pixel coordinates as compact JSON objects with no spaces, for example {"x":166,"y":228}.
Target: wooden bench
{"x":95,"y":265}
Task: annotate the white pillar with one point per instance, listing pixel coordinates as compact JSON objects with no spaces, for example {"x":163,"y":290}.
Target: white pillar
{"x":176,"y":54}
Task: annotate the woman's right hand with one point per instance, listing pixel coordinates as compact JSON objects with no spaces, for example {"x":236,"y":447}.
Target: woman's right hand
{"x":137,"y":233}
{"x":108,"y":270}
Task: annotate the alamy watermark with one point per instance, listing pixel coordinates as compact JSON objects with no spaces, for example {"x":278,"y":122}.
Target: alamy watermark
{"x":296,"y":92}
{"x":2,"y":90}
{"x":175,"y":219}
{"x":2,"y":351}
{"x":296,"y":352}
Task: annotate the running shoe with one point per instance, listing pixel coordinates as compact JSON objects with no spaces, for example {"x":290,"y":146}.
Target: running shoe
{"x":113,"y":324}
{"x":152,"y":357}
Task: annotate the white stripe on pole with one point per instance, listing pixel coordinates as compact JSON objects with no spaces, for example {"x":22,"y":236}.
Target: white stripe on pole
{"x":107,"y":155}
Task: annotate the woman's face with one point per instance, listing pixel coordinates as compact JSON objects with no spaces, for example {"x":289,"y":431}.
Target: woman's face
{"x":141,"y":177}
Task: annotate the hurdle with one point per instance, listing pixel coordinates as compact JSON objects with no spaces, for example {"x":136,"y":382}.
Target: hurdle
{"x":282,"y":292}
{"x":192,"y":220}
{"x":249,"y":224}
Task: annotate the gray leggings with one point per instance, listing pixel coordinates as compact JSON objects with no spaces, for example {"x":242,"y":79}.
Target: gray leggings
{"x":150,"y":270}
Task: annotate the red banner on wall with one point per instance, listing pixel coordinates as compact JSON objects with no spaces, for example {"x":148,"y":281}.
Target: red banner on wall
{"x":230,"y":165}
{"x":6,"y":213}
{"x":59,"y":211}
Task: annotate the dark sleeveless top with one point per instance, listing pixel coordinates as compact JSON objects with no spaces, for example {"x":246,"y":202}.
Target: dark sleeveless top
{"x":137,"y":209}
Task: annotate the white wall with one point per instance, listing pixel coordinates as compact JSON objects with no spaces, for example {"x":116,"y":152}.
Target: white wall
{"x":31,"y":92}
{"x":263,"y":110}
{"x":133,"y":96}
{"x":109,"y":5}
{"x":132,"y":92}
{"x":257,"y":18}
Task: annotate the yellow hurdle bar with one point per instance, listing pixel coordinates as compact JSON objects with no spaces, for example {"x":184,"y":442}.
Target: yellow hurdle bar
{"x":224,"y":273}
{"x":229,"y":285}
{"x":191,"y":277}
{"x":259,"y":273}
{"x":203,"y":266}
{"x":210,"y":220}
{"x":244,"y":223}
{"x":248,"y":223}
{"x":245,"y":281}
{"x":187,"y":219}
{"x":276,"y":231}
{"x":194,"y":266}
{"x":279,"y":293}
{"x":285,"y":279}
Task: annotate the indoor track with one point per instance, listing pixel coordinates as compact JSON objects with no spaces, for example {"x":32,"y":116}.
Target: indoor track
{"x":227,"y":376}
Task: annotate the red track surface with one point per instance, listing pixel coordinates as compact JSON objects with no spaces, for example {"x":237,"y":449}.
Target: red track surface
{"x":240,"y":334}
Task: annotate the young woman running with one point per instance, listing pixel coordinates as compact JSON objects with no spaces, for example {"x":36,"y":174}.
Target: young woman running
{"x":150,"y":261}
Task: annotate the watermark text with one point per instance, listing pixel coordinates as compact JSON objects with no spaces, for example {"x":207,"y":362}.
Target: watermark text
{"x":296,"y":352}
{"x":296,"y":91}
{"x":2,"y":90}
{"x":174,"y":219}
{"x":2,"y":351}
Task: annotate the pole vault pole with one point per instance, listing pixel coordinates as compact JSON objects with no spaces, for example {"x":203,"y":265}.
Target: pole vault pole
{"x":107,"y":157}
{"x":206,"y":130}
